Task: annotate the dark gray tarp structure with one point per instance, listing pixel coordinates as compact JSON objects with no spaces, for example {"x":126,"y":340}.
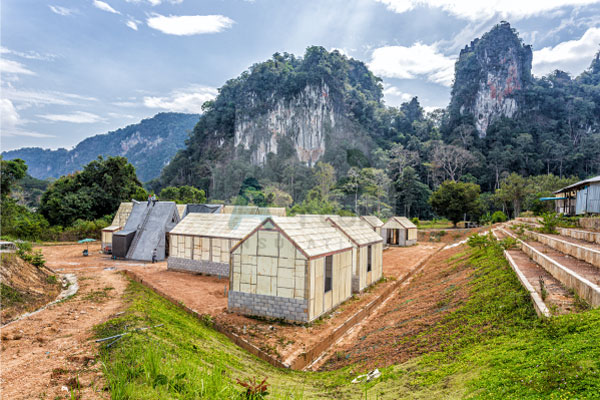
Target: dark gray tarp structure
{"x":202,"y":209}
{"x":149,"y":225}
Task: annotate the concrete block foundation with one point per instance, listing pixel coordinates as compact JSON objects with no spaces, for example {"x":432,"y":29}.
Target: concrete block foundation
{"x":268,"y":306}
{"x":198,"y":266}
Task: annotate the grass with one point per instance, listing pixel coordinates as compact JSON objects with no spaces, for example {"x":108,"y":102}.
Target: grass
{"x":9,"y":296}
{"x":492,"y":347}
{"x":436,"y":224}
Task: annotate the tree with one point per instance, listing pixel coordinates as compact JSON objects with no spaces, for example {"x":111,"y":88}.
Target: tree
{"x":410,"y":193}
{"x":92,"y":193}
{"x":454,"y":200}
{"x":513,"y":190}
{"x":325,"y":177}
{"x":10,"y":173}
{"x":183,"y":195}
{"x":451,"y":161}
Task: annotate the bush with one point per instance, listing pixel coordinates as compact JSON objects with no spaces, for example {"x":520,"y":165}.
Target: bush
{"x":415,"y":221}
{"x":498,"y":216}
{"x":550,"y":221}
{"x":27,"y":254}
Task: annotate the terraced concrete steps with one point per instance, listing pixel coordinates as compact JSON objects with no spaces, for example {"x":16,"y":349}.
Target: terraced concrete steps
{"x":579,"y":249}
{"x":582,"y":235}
{"x":554,"y":298}
{"x":575,"y":274}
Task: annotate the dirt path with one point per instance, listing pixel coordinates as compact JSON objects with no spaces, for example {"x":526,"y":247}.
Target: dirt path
{"x":52,"y":350}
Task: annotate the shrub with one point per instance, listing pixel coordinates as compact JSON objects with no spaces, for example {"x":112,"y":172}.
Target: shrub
{"x":415,"y":221}
{"x":498,"y":216}
{"x":550,"y":221}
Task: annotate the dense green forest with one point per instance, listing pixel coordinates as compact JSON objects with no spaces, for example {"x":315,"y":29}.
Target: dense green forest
{"x":540,"y":135}
{"x":554,"y":130}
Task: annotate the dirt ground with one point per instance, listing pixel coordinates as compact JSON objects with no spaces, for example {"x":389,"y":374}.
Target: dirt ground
{"x":382,"y":339}
{"x":46,"y":354}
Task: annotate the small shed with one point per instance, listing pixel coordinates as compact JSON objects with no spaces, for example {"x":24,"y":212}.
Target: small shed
{"x":375,"y":223}
{"x":579,"y":198}
{"x":201,"y":242}
{"x":400,"y":231}
{"x":118,"y":222}
{"x":367,"y":251}
{"x":146,"y":230}
{"x":291,"y":268}
{"x":254,"y":210}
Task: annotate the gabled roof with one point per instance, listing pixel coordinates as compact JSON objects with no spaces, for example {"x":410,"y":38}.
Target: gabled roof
{"x":122,"y":214}
{"x":357,"y":230}
{"x":181,"y":209}
{"x":254,"y":210}
{"x":595,"y":179}
{"x":226,"y":226}
{"x":402,"y":221}
{"x":372,"y":220}
{"x":314,"y":237}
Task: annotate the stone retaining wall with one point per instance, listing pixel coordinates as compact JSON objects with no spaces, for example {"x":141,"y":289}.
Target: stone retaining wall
{"x":197,"y":266}
{"x":268,"y":306}
{"x":583,"y":253}
{"x":592,"y":224}
{"x":588,"y":236}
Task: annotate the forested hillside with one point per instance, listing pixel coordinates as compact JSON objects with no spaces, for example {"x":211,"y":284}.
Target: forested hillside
{"x":315,"y":130}
{"x":148,"y":145}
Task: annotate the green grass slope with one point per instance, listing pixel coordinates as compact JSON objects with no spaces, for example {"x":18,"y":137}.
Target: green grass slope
{"x":492,"y":347}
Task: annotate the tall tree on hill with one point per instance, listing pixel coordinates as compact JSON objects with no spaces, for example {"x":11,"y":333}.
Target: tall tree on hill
{"x":92,"y":193}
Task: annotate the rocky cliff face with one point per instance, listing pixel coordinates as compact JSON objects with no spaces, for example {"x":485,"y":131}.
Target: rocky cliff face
{"x":305,"y":119}
{"x":489,"y":76}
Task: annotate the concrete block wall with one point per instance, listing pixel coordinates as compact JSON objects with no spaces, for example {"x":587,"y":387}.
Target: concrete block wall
{"x":592,"y":224}
{"x":588,"y":255}
{"x":588,"y":236}
{"x":587,"y":290}
{"x":268,"y":306}
{"x":198,"y":266}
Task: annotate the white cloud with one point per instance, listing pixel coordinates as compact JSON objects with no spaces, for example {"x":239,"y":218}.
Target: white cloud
{"x":183,"y":100}
{"x":411,"y":62}
{"x":30,"y":55}
{"x":10,"y":121}
{"x":393,"y":91}
{"x":572,"y":56}
{"x":478,"y":10}
{"x":14,"y":67}
{"x":155,"y":2}
{"x":132,"y":24}
{"x":105,"y":7}
{"x":64,"y":11}
{"x":78,"y":117}
{"x":33,"y":97}
{"x":186,"y":25}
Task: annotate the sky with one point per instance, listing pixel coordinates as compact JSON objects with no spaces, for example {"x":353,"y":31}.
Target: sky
{"x":76,"y":68}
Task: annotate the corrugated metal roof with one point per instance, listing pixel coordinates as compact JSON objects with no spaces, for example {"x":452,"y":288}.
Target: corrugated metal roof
{"x":372,"y":220}
{"x":595,"y":179}
{"x":227,"y":226}
{"x":314,"y":236}
{"x":357,"y":230}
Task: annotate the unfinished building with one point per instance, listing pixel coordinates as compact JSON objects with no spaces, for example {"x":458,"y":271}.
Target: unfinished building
{"x":290,"y":269}
{"x":146,"y":231}
{"x":400,"y":231}
{"x":367,"y":250}
{"x":254,"y":210}
{"x":201,"y":242}
{"x":117,"y":224}
{"x":375,"y":223}
{"x":185,"y":209}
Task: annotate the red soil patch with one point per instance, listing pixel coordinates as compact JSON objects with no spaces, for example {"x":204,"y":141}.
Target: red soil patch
{"x":390,"y":337}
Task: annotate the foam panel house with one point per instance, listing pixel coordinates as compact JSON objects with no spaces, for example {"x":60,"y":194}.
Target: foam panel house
{"x":400,"y":231}
{"x":291,"y":268}
{"x":200,"y":243}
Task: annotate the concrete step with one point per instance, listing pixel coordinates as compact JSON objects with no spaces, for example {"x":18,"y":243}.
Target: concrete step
{"x":556,"y":300}
{"x":575,"y":274}
{"x":585,"y":251}
{"x":583,"y":235}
